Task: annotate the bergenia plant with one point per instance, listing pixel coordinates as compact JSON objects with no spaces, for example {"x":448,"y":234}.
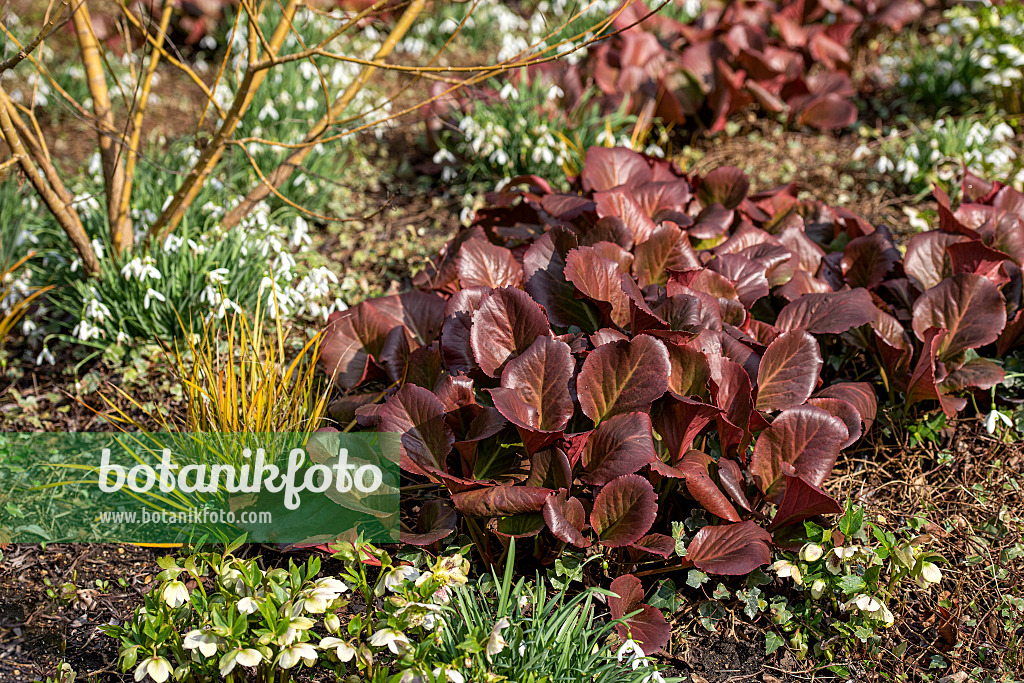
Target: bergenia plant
{"x":588,"y":367}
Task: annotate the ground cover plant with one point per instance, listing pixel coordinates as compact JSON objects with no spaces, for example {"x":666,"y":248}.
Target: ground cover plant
{"x":587,"y":368}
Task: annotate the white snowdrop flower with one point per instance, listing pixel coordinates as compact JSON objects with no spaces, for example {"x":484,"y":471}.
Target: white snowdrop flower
{"x":197,"y":249}
{"x":218,"y":276}
{"x":508,"y":91}
{"x":443,"y":155}
{"x":45,"y":356}
{"x":630,"y":647}
{"x":123,"y":338}
{"x":226,"y":304}
{"x":993,"y":419}
{"x":884,"y":165}
{"x":97,"y":310}
{"x":173,"y":243}
{"x":554,"y":93}
{"x":28,"y":326}
{"x":269,"y":111}
{"x":300,"y":235}
{"x":152,"y":294}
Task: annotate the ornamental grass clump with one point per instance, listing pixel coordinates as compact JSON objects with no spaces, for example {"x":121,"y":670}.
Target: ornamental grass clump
{"x":587,"y":368}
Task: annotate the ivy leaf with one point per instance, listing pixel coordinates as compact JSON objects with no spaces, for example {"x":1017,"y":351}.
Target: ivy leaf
{"x":772,"y":642}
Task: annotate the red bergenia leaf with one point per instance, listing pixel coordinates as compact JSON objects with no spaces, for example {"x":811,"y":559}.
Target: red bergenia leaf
{"x":648,"y":628}
{"x":749,"y":278}
{"x":690,"y":371}
{"x":351,"y":339}
{"x":803,"y":501}
{"x":620,"y":203}
{"x":666,"y":249}
{"x":731,"y":476}
{"x":861,"y":395}
{"x":550,"y":469}
{"x":534,"y":391}
{"x":600,"y":279}
{"x":828,"y":112}
{"x":456,"y":344}
{"x":833,"y":313}
{"x":418,"y":416}
{"x":624,"y":511}
{"x":504,"y":326}
{"x":566,"y":518}
{"x":435,"y":521}
{"x":680,"y":421}
{"x":623,"y":377}
{"x":620,"y":445}
{"x":501,"y":501}
{"x":806,"y":437}
{"x":843,"y":410}
{"x":726,"y":185}
{"x":482,"y":264}
{"x":605,"y":168}
{"x":868,"y":259}
{"x":968,"y":306}
{"x":656,"y":544}
{"x":730,"y":549}
{"x":702,"y":487}
{"x":544,"y":269}
{"x":927,"y":261}
{"x":788,"y":372}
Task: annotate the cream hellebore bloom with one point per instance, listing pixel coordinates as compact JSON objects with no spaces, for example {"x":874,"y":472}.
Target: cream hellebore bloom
{"x":342,"y":649}
{"x":295,"y":626}
{"x":174,"y":594}
{"x":930,"y":574}
{"x":871,"y":607}
{"x":203,"y":641}
{"x":811,"y":552}
{"x":395,"y":577}
{"x":448,"y":571}
{"x":332,"y":623}
{"x":395,"y":641}
{"x":839,"y":556}
{"x":291,"y":655}
{"x":817,"y":588}
{"x":496,"y":643}
{"x":248,"y":605}
{"x":244,"y":656}
{"x":786,"y":568}
{"x":158,"y":668}
{"x":324,"y":592}
{"x":451,"y":674}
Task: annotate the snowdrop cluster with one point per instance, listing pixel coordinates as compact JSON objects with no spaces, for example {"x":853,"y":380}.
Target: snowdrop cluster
{"x":977,"y":50}
{"x":921,"y":156}
{"x":632,"y":655}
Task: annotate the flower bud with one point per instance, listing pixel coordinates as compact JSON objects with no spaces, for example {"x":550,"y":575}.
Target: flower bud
{"x":817,"y":588}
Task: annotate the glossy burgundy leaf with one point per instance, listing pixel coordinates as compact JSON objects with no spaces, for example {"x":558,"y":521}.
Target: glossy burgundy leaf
{"x":608,"y":229}
{"x":843,"y":410}
{"x":419,"y":313}
{"x":976,"y":373}
{"x":648,"y":628}
{"x":624,"y":511}
{"x":972,"y":256}
{"x":504,"y":326}
{"x":550,"y":469}
{"x":690,"y":372}
{"x":802,"y":501}
{"x":806,"y":437}
{"x":868,"y":259}
{"x":679,"y":421}
{"x":501,"y":501}
{"x":731,"y":391}
{"x":623,"y":377}
{"x":695,"y":468}
{"x":828,"y":112}
{"x":620,"y":445}
{"x":832,"y":313}
{"x":534,"y":391}
{"x":525,"y":525}
{"x":605,"y":168}
{"x":749,"y":278}
{"x":566,"y":518}
{"x":482,"y":264}
{"x":860,"y":395}
{"x":730,"y":549}
{"x":927,"y":261}
{"x":968,"y":306}
{"x":599,"y":279}
{"x":620,"y":203}
{"x":788,"y":371}
{"x":418,"y":416}
{"x":456,"y":343}
{"x":731,"y":476}
{"x":353,"y":338}
{"x":435,"y":521}
{"x":656,"y":544}
{"x":666,"y":249}
{"x":544,"y":270}
{"x":726,"y":185}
